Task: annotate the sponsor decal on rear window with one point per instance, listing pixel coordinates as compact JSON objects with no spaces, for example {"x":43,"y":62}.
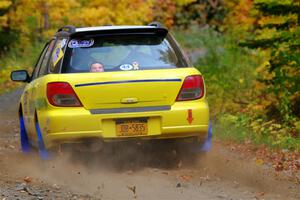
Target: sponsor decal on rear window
{"x":57,"y":53}
{"x":126,"y":67}
{"x":63,"y":43}
{"x":135,"y":65}
{"x":75,"y":43}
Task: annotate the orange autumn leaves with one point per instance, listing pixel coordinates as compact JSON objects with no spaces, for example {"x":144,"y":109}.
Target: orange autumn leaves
{"x":42,"y":18}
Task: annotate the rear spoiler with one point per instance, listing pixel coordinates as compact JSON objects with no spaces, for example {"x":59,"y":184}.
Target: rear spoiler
{"x":122,"y":31}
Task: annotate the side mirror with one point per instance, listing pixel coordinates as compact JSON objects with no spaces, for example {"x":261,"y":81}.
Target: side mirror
{"x":20,"y":75}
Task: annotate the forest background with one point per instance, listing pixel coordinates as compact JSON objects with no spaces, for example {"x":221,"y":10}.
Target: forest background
{"x":247,"y":50}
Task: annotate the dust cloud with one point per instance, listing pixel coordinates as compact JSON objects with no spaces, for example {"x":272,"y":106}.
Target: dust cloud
{"x":120,"y":165}
{"x":114,"y":172}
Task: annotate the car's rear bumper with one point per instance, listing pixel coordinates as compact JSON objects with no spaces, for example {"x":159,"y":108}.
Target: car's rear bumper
{"x":67,"y":125}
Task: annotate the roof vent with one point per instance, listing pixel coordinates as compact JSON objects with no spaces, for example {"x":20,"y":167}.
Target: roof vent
{"x":156,"y":24}
{"x":68,"y":28}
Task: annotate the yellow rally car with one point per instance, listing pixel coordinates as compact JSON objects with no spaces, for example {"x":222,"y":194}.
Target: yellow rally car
{"x":111,"y":83}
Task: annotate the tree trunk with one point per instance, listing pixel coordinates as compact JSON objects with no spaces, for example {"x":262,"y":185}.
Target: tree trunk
{"x":46,"y":16}
{"x":298,"y":5}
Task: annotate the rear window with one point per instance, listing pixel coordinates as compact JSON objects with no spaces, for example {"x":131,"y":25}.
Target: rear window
{"x":121,"y":53}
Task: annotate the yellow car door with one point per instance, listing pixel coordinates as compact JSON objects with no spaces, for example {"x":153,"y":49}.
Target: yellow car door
{"x":34,"y":87}
{"x":27,"y":101}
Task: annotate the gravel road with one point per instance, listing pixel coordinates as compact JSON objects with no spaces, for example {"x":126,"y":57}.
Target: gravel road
{"x":220,"y":174}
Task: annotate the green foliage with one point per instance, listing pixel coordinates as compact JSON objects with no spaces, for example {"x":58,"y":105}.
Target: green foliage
{"x":201,"y":12}
{"x":15,"y":60}
{"x":232,"y":127}
{"x":242,"y":127}
{"x":230,"y":73}
{"x":275,"y":7}
{"x":7,"y":36}
{"x":278,"y":32}
{"x":228,"y":68}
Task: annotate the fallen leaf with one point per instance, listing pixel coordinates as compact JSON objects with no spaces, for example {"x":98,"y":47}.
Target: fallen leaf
{"x":236,"y":184}
{"x":185,"y":178}
{"x":261,"y":194}
{"x":259,"y":161}
{"x":27,"y":179}
{"x":56,"y":186}
{"x":179,"y":165}
{"x":129,"y":172}
{"x":278,"y":166}
{"x":132,"y":188}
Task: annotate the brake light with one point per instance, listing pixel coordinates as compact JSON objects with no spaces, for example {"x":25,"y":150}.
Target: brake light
{"x":192,"y":88}
{"x":62,"y":94}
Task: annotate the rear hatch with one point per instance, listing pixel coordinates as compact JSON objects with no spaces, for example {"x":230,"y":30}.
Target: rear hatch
{"x":125,"y":67}
{"x":128,"y":89}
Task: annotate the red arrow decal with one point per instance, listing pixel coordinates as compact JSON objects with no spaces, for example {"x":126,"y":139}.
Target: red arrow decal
{"x":190,"y":116}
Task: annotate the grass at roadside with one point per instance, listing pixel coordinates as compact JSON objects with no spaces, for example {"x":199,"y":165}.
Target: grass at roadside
{"x":240,"y":128}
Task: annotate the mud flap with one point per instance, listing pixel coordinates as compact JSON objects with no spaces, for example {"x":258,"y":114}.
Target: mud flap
{"x":44,"y":155}
{"x":208,"y":142}
{"x":25,"y":146}
{"x":206,"y":145}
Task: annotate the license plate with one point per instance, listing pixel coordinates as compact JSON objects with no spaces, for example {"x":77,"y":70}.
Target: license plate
{"x":132,"y":127}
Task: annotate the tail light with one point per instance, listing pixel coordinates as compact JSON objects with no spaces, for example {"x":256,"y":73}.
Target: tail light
{"x":191,"y":89}
{"x":62,"y":94}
